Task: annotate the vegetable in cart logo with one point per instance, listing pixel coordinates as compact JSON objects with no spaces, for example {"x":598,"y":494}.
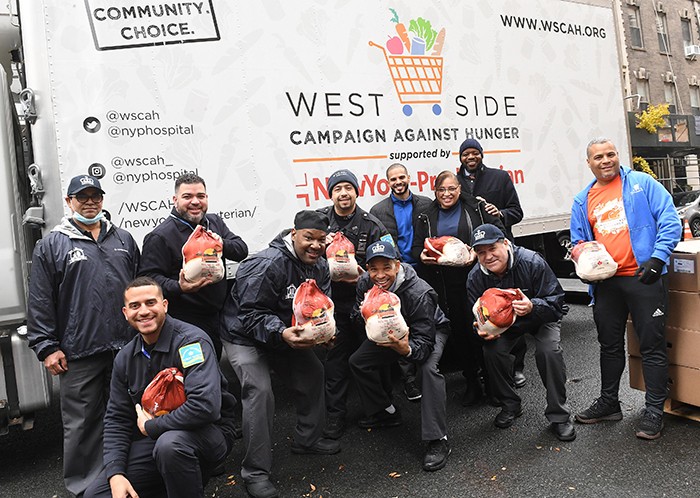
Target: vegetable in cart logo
{"x":413,"y":57}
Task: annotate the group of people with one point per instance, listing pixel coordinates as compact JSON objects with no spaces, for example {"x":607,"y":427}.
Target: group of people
{"x":87,"y":269}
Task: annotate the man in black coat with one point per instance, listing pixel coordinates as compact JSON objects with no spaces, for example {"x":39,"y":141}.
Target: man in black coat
{"x":74,"y":322}
{"x":259,"y":336}
{"x":538,"y":312}
{"x":423,"y":346}
{"x":361,"y":228}
{"x":399,"y":213}
{"x":198,"y":302}
{"x":500,"y":198}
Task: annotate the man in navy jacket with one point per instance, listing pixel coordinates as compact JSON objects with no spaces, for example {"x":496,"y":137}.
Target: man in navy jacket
{"x":422,"y":346}
{"x":174,"y":453}
{"x":539,"y":312}
{"x":259,"y":335}
{"x":74,"y":322}
{"x":198,"y":302}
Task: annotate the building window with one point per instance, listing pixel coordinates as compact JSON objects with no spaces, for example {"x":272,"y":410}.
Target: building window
{"x":687,"y":31}
{"x":670,"y":95}
{"x":635,"y":28}
{"x":662,"y":32}
{"x":695,"y":100}
{"x":643,"y":91}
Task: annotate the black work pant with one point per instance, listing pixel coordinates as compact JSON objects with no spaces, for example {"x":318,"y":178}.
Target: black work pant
{"x":337,"y":368}
{"x":177,"y":464}
{"x":615,"y":298}
{"x":368,"y":363}
{"x":549,"y":357}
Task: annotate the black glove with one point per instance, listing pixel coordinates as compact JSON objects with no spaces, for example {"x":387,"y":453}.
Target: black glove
{"x":650,"y":271}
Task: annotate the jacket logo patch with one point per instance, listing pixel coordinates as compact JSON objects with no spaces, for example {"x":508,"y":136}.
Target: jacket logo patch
{"x":76,"y":255}
{"x":191,"y":354}
{"x":636,"y":188}
{"x":387,"y":238}
{"x":291,"y":290}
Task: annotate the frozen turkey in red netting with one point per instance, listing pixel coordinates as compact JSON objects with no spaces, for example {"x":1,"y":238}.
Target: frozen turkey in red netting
{"x":381,"y":311}
{"x":448,"y":250}
{"x":314,"y":311}
{"x":202,"y":256}
{"x":493,"y":311}
{"x":341,"y":258}
{"x":164,"y":393}
{"x":592,"y":261}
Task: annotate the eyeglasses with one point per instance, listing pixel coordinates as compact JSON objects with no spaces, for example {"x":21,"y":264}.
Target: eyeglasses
{"x":444,"y":190}
{"x":83,"y":198}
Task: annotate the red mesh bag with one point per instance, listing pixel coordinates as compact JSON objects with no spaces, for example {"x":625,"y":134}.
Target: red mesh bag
{"x":164,"y":393}
{"x":341,"y":258}
{"x":314,"y":311}
{"x":381,"y":311}
{"x":202,"y":256}
{"x":493,"y":311}
{"x":448,"y":250}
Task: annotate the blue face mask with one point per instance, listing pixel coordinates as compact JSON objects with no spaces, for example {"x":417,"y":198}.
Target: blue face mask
{"x":88,"y":221}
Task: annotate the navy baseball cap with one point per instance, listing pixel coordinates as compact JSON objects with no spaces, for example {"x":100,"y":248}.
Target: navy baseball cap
{"x":80,"y":183}
{"x":382,"y":249}
{"x":486,"y":234}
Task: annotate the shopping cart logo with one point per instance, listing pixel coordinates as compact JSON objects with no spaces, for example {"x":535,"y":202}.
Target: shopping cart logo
{"x":414,"y":62}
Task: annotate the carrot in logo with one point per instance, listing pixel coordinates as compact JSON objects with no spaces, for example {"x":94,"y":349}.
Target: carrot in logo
{"x":417,"y":76}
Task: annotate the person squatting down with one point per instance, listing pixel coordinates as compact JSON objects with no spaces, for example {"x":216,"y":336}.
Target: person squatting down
{"x":423,"y":346}
{"x":399,"y":213}
{"x":538,"y":312}
{"x":172,"y":454}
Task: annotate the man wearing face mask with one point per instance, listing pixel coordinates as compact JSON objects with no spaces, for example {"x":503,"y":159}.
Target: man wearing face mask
{"x":200,"y":302}
{"x":74,"y":319}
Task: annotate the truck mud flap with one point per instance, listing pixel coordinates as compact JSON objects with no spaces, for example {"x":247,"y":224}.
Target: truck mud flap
{"x":26,"y":386}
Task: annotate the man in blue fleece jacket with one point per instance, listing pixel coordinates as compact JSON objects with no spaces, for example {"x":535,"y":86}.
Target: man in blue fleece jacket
{"x":633,"y":216}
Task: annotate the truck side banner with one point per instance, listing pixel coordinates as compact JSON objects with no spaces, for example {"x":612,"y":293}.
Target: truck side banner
{"x":266,"y":99}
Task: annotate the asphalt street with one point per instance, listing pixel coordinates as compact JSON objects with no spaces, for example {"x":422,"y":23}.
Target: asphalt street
{"x":525,"y":460}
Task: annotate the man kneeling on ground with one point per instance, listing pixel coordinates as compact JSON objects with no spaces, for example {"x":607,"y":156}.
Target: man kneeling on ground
{"x":539,"y":312}
{"x":423,"y":345}
{"x":173,"y":454}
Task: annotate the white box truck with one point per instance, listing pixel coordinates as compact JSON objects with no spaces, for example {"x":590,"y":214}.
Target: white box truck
{"x":265,"y":99}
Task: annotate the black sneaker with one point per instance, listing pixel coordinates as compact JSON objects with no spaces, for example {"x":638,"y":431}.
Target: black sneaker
{"x":436,"y":456}
{"x":335,"y":427}
{"x":411,"y":391}
{"x":650,"y":425}
{"x":600,"y":411}
{"x":381,"y":420}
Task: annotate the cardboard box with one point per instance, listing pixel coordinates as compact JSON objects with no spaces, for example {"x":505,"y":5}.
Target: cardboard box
{"x":683,"y":310}
{"x":684,"y":267}
{"x":684,"y":382}
{"x":683,"y":345}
